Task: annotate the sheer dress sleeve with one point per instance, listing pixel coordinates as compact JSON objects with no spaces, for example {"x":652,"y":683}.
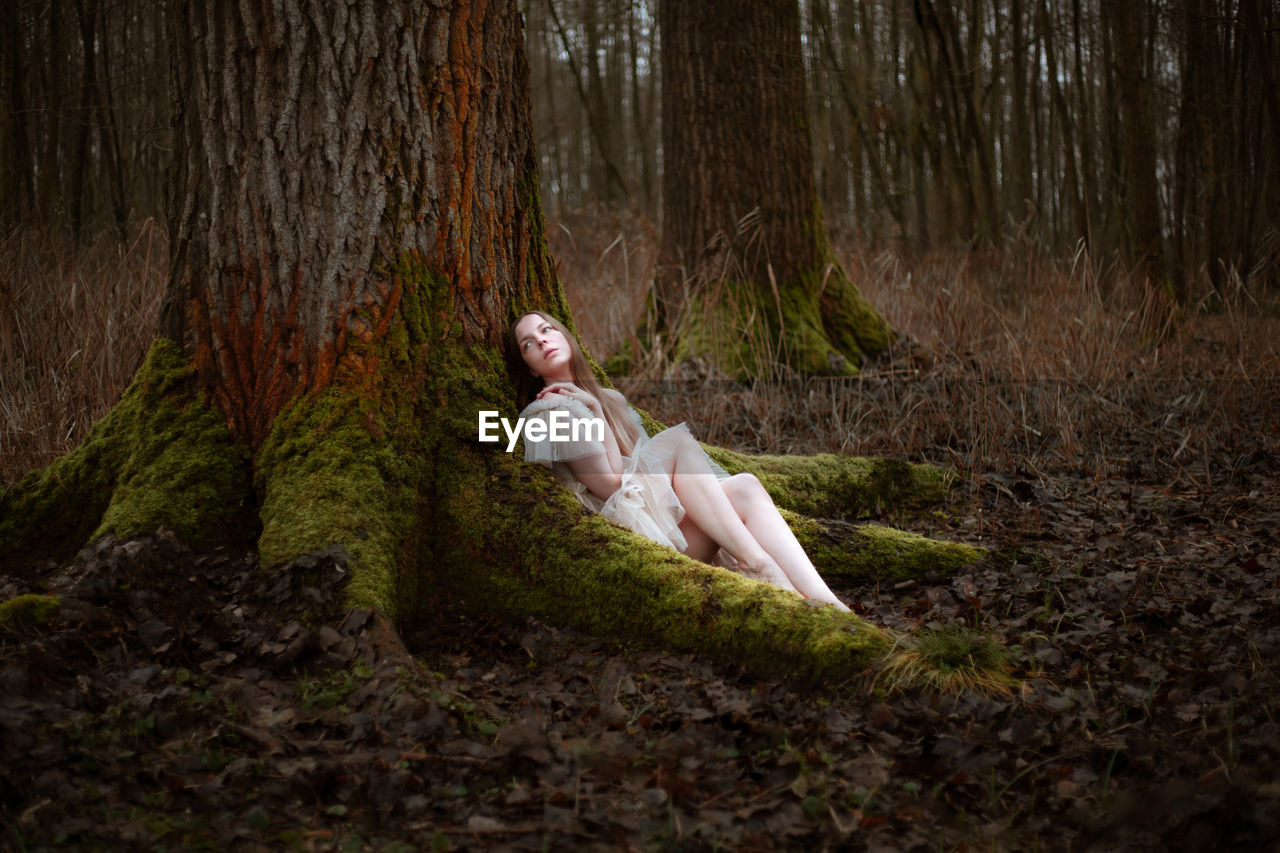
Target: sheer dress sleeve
{"x":716,"y":470}
{"x":546,"y":451}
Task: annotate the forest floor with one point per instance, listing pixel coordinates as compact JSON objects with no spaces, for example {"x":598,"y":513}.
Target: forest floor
{"x":184,"y":701}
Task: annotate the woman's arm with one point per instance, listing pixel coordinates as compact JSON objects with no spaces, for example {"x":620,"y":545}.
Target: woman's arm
{"x":595,"y":473}
{"x":601,"y":472}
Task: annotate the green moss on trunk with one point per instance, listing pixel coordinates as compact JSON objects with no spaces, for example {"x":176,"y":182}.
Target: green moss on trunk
{"x":818,"y":325}
{"x":342,"y":469}
{"x":352,"y":465}
{"x":161,"y":457}
{"x":852,"y":324}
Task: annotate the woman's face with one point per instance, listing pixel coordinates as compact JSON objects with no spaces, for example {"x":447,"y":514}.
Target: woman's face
{"x":546,"y":349}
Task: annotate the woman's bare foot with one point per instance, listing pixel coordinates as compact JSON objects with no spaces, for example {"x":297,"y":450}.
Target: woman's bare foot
{"x":766,"y":570}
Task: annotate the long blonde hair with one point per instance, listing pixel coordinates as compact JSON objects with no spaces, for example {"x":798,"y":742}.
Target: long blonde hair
{"x":615,"y":413}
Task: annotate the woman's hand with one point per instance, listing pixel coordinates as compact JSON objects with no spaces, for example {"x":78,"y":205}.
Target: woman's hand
{"x":572,"y":392}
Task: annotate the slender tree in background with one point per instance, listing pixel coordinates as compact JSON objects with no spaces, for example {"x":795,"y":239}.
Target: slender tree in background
{"x":1142,"y":200}
{"x":357,"y":224}
{"x":595,"y":103}
{"x":747,"y":265}
{"x":83,"y":114}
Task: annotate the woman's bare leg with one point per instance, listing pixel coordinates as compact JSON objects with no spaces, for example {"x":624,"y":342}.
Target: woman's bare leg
{"x":708,"y":507}
{"x":699,"y":545}
{"x":767,"y":526}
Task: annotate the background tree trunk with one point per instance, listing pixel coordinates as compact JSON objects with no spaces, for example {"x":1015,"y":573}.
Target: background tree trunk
{"x":1146,"y":246}
{"x":17,"y":194}
{"x":1072,"y":207}
{"x":742,"y":227}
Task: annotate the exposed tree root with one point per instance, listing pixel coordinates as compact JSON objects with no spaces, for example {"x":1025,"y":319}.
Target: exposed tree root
{"x":388,"y":471}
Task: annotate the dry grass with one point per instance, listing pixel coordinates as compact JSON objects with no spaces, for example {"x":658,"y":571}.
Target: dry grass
{"x":612,"y":259}
{"x":950,"y":659}
{"x":1007,"y":361}
{"x":74,"y":325}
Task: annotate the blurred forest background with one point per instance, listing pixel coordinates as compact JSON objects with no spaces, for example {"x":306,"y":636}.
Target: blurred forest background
{"x":1000,"y":178}
{"x":976,"y":123}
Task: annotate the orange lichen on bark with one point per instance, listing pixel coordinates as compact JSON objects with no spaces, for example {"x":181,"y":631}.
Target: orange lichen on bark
{"x":255,"y":357}
{"x":461,"y":122}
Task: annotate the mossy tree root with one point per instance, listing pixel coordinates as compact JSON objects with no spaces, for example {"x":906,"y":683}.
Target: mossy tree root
{"x":500,"y":537}
{"x":832,"y":486}
{"x":873,"y":552}
{"x":523,"y":546}
{"x":160,"y":458}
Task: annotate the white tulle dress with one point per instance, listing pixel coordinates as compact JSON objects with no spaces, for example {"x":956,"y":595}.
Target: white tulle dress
{"x":645,"y":502}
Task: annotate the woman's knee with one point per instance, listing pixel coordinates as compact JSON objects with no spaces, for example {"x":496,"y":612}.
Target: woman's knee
{"x":745,"y":487}
{"x":677,"y":440}
{"x":686,"y":449}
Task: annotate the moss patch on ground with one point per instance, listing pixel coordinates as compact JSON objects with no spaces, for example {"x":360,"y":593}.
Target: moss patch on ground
{"x":24,"y":612}
{"x":952,"y":659}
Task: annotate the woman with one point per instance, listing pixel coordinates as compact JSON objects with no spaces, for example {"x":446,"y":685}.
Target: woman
{"x":664,"y":487}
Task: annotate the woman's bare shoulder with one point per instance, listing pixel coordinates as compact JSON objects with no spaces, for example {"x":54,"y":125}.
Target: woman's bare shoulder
{"x":614,"y":395}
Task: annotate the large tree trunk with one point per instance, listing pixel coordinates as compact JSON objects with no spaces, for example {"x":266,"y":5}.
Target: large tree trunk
{"x":327,"y":158}
{"x":358,"y":224}
{"x":744,"y":247}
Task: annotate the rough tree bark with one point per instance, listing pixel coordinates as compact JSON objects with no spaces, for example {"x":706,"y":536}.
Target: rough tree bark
{"x":357,"y":225}
{"x":744,"y":247}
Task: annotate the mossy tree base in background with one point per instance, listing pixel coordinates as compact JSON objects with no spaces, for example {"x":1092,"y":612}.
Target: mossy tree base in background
{"x":747,"y":278}
{"x":817,"y":325}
